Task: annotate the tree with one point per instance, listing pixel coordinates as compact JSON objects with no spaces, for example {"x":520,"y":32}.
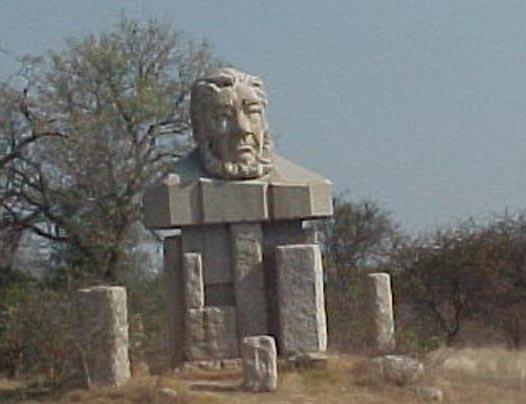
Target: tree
{"x":95,"y":118}
{"x":360,"y":236}
{"x":467,"y":273}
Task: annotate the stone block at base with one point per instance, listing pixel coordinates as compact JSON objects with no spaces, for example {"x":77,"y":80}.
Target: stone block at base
{"x":211,"y":333}
{"x":260,"y":370}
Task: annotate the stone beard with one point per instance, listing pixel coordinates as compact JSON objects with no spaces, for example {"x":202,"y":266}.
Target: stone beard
{"x":229,"y":125}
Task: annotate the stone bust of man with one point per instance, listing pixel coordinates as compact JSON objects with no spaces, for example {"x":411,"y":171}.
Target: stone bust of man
{"x":229,"y":126}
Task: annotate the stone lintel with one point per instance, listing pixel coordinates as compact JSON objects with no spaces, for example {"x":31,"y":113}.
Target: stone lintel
{"x":209,"y":201}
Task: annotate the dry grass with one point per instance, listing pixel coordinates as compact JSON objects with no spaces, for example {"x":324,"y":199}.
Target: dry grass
{"x":465,"y":376}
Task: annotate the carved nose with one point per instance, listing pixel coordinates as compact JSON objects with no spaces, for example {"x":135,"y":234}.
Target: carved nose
{"x":243,"y":124}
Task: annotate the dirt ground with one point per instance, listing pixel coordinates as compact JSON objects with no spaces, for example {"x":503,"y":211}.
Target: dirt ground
{"x":465,"y":376}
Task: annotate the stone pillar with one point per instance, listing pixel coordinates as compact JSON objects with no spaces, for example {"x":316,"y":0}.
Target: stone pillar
{"x":194,"y":286}
{"x":302,"y":319}
{"x":279,"y":233}
{"x":249,"y":279}
{"x":173,"y":268}
{"x":380,"y":316}
{"x":103,"y":334}
{"x":260,"y":370}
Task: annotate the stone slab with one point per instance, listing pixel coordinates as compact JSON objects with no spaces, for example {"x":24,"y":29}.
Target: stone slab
{"x":103,"y":334}
{"x":194,"y":286}
{"x":302,"y":317}
{"x":249,"y":278}
{"x":211,"y":333}
{"x":260,"y":370}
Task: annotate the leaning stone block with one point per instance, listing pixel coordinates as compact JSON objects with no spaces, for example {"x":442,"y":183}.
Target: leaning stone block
{"x":103,"y":334}
{"x":211,"y":333}
{"x":194,"y":287}
{"x":380,"y":313}
{"x":260,"y":371}
{"x":302,"y":319}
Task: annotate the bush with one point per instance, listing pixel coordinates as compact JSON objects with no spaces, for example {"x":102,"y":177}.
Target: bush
{"x":36,"y":329}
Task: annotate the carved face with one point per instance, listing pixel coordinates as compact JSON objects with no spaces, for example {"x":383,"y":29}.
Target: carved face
{"x":230,"y":129}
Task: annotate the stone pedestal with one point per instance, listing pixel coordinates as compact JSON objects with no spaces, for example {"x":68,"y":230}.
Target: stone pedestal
{"x":103,"y":334}
{"x":380,"y":318}
{"x":301,"y":301}
{"x":260,"y":370}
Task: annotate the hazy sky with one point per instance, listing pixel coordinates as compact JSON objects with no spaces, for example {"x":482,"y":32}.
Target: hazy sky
{"x":418,"y":104}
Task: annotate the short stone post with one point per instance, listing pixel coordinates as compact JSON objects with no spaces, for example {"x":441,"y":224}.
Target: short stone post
{"x":302,"y":319}
{"x":380,"y":316}
{"x":103,"y":335}
{"x":260,"y":369}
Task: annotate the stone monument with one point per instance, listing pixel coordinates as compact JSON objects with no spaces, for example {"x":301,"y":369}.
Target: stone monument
{"x":245,"y":263}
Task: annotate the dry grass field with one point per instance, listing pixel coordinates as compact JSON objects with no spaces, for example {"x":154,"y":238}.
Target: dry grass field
{"x":465,"y":376}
